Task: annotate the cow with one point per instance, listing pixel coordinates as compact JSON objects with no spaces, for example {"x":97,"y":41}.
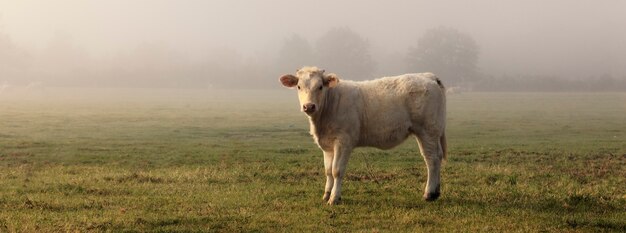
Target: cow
{"x":379,"y":113}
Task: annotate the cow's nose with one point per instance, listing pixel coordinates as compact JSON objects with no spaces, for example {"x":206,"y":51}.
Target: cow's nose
{"x":308,"y":108}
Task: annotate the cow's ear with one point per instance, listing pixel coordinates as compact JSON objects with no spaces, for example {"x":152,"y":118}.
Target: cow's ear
{"x":289,"y":80}
{"x":331,"y":80}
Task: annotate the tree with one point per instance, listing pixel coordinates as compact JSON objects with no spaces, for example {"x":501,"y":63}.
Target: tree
{"x":13,"y":60}
{"x":63,"y":63}
{"x":446,"y":52}
{"x":295,"y":53}
{"x":224,"y":68}
{"x":344,"y":52}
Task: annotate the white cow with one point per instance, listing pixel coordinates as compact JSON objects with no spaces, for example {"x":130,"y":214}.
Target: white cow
{"x":380,"y":113}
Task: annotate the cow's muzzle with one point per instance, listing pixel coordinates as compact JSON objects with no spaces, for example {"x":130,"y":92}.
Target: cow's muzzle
{"x":308,"y":108}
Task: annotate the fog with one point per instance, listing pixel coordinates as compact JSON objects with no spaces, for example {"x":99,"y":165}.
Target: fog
{"x":558,"y":45}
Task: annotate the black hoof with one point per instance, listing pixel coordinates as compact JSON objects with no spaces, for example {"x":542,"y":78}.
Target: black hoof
{"x":431,"y":196}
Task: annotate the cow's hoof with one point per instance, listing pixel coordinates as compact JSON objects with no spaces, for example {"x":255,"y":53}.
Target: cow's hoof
{"x":431,"y":196}
{"x":326,"y":196}
{"x":334,"y":200}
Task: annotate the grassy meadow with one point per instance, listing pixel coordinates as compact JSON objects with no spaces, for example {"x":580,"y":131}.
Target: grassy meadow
{"x":242,"y":161}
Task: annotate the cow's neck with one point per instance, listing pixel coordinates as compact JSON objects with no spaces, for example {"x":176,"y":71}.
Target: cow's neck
{"x":320,"y":118}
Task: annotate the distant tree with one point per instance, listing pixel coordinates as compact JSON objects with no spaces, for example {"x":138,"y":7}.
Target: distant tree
{"x":61,"y":61}
{"x":13,"y":60}
{"x":294,"y":53}
{"x":344,"y":52}
{"x":152,"y":65}
{"x":6,"y":51}
{"x":446,"y":52}
{"x":225,"y":68}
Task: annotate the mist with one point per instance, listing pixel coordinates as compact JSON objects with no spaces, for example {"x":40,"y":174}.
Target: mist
{"x":483,"y":45}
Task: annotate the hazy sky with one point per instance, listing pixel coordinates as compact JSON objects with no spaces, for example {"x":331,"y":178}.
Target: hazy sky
{"x":561,"y":37}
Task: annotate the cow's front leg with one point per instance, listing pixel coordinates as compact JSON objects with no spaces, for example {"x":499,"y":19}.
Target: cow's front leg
{"x":328,"y":171}
{"x":340,"y":160}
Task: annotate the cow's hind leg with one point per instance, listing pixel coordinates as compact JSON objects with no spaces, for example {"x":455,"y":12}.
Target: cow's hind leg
{"x":433,"y":154}
{"x":328,"y":171}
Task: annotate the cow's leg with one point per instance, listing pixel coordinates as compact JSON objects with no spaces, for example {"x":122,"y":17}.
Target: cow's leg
{"x":340,"y":160}
{"x":328,"y":171}
{"x":433,"y":154}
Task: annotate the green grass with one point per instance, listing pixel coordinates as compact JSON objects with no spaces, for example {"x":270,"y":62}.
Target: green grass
{"x":188,"y":161}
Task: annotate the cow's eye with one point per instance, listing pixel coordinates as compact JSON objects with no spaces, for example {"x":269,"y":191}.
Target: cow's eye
{"x":321,"y":87}
{"x":298,"y":87}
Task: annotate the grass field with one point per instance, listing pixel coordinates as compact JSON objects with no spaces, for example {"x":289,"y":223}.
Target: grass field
{"x":164,"y":160}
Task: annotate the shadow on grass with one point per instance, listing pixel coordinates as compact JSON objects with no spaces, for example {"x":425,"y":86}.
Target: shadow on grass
{"x":574,"y":211}
{"x":187,"y":224}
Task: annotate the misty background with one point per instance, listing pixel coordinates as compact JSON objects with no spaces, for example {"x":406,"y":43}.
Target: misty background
{"x":481,"y":45}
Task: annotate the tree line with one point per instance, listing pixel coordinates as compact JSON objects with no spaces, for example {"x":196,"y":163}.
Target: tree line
{"x":451,"y":54}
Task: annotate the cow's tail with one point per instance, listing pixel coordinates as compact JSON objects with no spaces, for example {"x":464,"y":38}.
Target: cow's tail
{"x":442,"y":140}
{"x":444,"y":146}
{"x":440,"y":84}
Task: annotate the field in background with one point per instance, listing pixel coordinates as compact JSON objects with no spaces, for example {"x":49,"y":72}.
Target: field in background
{"x":174,"y":160}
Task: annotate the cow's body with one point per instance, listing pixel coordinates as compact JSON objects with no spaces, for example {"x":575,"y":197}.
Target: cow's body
{"x":380,"y":113}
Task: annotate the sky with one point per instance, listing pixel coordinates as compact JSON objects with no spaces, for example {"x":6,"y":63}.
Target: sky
{"x":558,"y":37}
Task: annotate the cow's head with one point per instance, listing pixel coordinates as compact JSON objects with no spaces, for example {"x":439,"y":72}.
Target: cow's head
{"x":312,"y":85}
